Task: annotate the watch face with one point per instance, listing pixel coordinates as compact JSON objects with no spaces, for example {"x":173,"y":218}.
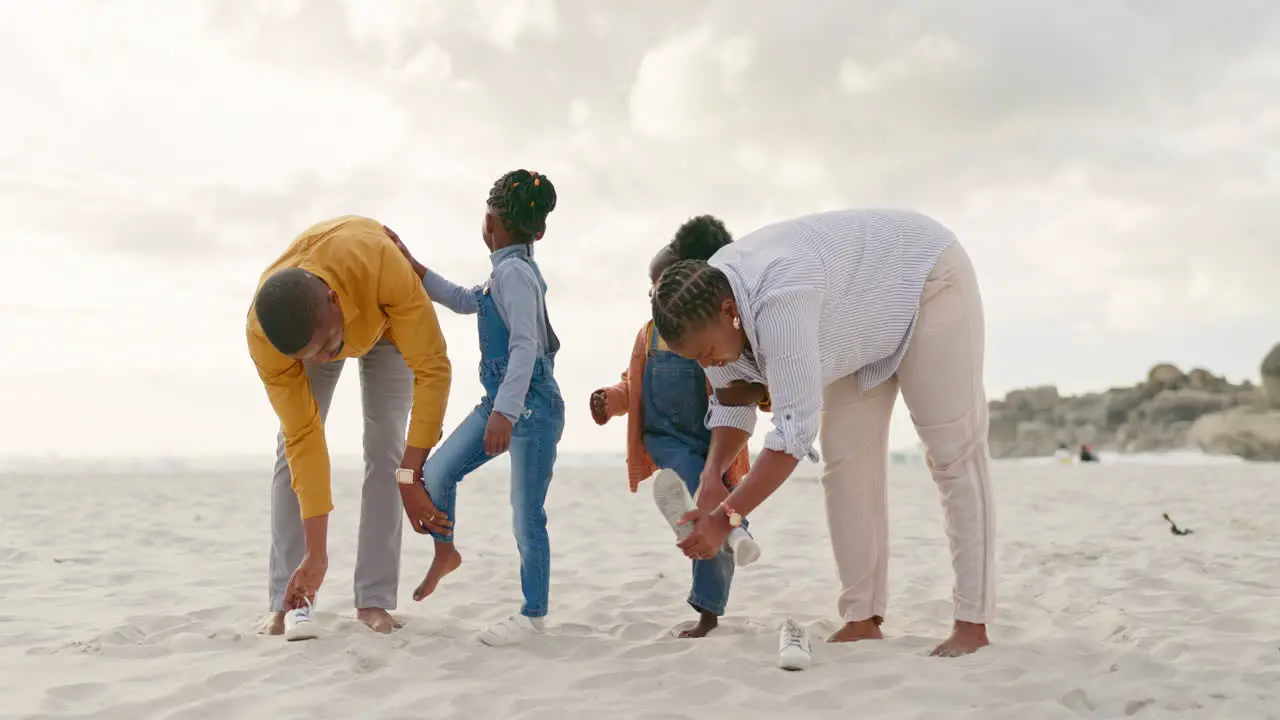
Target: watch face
{"x":404,"y":476}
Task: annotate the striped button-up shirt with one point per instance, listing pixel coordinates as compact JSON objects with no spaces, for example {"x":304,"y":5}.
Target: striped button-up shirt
{"x":822,"y":297}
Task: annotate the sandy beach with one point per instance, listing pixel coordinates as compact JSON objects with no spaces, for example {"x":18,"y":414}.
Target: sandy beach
{"x":136,"y":596}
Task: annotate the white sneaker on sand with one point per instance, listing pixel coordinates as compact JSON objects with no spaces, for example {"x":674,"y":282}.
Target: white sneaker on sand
{"x":300,"y":624}
{"x":673,"y":501}
{"x":745,"y":548}
{"x":794,"y":652}
{"x":512,"y":630}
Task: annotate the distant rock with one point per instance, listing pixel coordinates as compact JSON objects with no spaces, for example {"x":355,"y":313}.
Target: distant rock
{"x":1170,"y":410}
{"x":1248,"y":432}
{"x":1271,"y":377}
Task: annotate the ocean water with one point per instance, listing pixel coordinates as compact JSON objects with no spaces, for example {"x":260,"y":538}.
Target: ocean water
{"x":603,"y":462}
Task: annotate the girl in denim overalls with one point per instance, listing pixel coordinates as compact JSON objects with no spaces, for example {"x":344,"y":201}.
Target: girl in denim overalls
{"x":667,"y":397}
{"x":521,"y":410}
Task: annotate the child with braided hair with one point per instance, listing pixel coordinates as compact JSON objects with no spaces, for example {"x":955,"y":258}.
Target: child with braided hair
{"x":522,"y":409}
{"x":665,"y":397}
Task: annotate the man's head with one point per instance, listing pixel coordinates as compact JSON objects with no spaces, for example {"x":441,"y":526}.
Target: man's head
{"x":300,"y":315}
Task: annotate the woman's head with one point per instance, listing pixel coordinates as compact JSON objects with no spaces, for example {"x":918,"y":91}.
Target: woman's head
{"x":697,"y":239}
{"x":695,"y":313}
{"x":519,"y":203}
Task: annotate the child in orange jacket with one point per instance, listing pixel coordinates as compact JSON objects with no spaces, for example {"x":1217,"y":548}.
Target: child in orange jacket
{"x":665,"y":397}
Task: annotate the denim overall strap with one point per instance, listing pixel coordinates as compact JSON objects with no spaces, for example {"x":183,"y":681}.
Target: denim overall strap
{"x":553,"y":340}
{"x":495,"y":341}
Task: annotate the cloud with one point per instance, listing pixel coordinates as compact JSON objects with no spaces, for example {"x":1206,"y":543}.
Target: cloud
{"x":1109,"y":166}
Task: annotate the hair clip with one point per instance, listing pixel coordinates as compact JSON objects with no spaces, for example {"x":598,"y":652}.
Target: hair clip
{"x":530,"y":203}
{"x":537,"y":181}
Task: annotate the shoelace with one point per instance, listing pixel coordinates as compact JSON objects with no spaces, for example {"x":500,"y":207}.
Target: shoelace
{"x":795,"y":634}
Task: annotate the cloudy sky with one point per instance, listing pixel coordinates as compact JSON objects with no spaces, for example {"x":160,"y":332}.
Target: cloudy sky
{"x":1111,"y":166}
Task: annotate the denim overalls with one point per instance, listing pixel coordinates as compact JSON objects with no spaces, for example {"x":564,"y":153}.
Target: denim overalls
{"x":533,"y":447}
{"x":676,"y":438}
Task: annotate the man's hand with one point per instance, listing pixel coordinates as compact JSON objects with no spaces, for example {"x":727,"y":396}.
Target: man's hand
{"x":741,"y":393}
{"x":497,"y":434}
{"x":423,"y":514}
{"x":418,"y":267}
{"x":306,"y":581}
{"x":600,"y":407}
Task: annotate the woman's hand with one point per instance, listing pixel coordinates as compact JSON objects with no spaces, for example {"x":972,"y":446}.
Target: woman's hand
{"x":710,"y":529}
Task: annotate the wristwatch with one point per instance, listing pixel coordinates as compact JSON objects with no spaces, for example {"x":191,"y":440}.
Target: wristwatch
{"x":404,"y":476}
{"x":735,"y":519}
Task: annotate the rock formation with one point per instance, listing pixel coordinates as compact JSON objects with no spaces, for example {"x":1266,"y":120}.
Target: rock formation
{"x":1169,"y":410}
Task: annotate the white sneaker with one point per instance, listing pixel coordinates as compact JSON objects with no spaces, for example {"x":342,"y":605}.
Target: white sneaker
{"x":673,"y":501}
{"x":300,"y":624}
{"x":745,"y":548}
{"x":512,"y":630}
{"x":794,"y":652}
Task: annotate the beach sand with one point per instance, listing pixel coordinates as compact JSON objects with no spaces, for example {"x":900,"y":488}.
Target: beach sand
{"x":136,"y":596}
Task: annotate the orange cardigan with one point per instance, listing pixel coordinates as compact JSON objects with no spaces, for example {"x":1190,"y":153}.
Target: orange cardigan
{"x":627,"y":398}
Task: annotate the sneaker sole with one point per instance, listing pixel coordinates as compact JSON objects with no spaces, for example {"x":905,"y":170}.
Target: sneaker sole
{"x":794,"y":664}
{"x":747,"y":552}
{"x":673,"y":501}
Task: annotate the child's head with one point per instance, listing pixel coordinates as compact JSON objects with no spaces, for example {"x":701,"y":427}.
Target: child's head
{"x":697,"y":239}
{"x":519,"y":203}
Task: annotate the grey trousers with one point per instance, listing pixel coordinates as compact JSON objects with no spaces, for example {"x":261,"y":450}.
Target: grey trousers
{"x":386,"y":389}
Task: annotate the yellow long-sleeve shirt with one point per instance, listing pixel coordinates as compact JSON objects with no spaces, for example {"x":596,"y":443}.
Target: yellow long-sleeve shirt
{"x":379,"y":294}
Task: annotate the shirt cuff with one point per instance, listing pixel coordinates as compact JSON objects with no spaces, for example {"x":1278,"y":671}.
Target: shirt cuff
{"x":511,"y":413}
{"x":794,"y":446}
{"x":742,"y":418}
{"x":314,"y":501}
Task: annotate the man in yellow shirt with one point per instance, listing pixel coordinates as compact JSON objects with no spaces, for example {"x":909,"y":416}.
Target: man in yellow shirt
{"x":341,"y":290}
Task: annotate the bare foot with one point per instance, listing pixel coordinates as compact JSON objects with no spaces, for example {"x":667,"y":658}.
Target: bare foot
{"x":706,"y":623}
{"x":272,"y":624}
{"x":378,"y":619}
{"x":965,"y":638}
{"x":868,"y":629}
{"x":447,"y":560}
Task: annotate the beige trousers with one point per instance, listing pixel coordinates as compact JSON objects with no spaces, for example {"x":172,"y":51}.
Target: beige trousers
{"x":941,"y":381}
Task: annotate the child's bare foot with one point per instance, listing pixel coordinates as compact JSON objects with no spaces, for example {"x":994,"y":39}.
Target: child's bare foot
{"x":447,"y":560}
{"x":272,"y":624}
{"x":966,"y":637}
{"x":378,"y":620}
{"x":868,"y":629}
{"x":706,"y":623}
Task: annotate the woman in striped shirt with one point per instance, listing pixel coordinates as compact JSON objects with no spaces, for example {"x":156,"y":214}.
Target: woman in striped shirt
{"x":836,"y":312}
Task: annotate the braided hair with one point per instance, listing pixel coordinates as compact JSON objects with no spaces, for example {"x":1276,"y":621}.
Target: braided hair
{"x":699,"y":238}
{"x":523,"y":199}
{"x":688,"y":295}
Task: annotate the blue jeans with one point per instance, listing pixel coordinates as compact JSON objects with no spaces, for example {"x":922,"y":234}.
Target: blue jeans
{"x":533,"y":456}
{"x":711,"y":578}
